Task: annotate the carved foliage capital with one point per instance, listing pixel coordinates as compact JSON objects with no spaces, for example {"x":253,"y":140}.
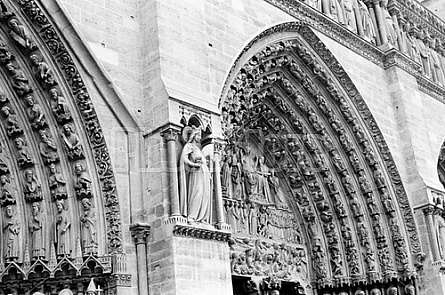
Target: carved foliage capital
{"x":200,"y":233}
{"x":140,"y":232}
{"x":170,"y":134}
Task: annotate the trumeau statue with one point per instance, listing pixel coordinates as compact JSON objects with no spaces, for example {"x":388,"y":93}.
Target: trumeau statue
{"x":88,"y":231}
{"x":37,"y":224}
{"x":11,"y":234}
{"x":195,"y":179}
{"x":63,"y":236}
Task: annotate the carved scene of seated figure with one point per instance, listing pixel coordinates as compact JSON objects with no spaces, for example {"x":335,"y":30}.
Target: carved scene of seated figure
{"x":19,"y":34}
{"x":35,"y":113}
{"x":57,"y":183}
{"x":59,"y":106}
{"x":42,"y":71}
{"x":32,"y":188}
{"x":24,"y":158}
{"x":18,"y":79}
{"x":48,"y":148}
{"x":8,"y":191}
{"x":12,"y":122}
{"x":82,"y":183}
{"x":72,"y":143}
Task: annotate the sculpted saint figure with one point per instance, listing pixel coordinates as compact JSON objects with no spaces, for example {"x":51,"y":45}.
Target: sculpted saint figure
{"x":32,"y":188}
{"x":5,"y":54}
{"x":56,"y":183}
{"x":18,"y":80}
{"x":390,"y":25}
{"x":11,"y":234}
{"x":48,"y":148}
{"x":88,"y":228}
{"x":82,"y":183}
{"x":4,"y":169}
{"x":35,"y":113}
{"x":37,"y":229}
{"x":72,"y":143}
{"x":8,"y":192}
{"x":63,"y":230}
{"x":12,"y":122}
{"x":59,"y":106}
{"x":195,"y":180}
{"x":24,"y":158}
{"x":42,"y":71}
{"x":19,"y":34}
{"x":366,"y":22}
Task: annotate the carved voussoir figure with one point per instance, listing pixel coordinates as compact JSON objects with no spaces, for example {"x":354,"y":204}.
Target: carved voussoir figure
{"x":19,"y":35}
{"x":37,"y":225}
{"x":18,"y":79}
{"x":24,"y":158}
{"x":57,"y":183}
{"x":12,"y":122}
{"x":48,"y":148}
{"x":88,"y":228}
{"x":72,"y":143}
{"x":5,"y":54}
{"x":82,"y":183}
{"x":32,"y":188}
{"x":35,"y":113}
{"x":59,"y":106}
{"x":195,"y":179}
{"x":11,"y":234}
{"x":8,"y":191}
{"x":63,"y":230}
{"x":42,"y":71}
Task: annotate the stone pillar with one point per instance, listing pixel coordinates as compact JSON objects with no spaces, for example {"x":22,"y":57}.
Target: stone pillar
{"x":139,"y":232}
{"x":374,"y":21}
{"x":381,"y":27}
{"x":394,"y":12}
{"x":220,"y":222}
{"x":428,"y":211}
{"x":170,"y":136}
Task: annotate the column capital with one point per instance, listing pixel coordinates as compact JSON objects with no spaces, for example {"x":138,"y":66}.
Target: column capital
{"x":218,"y":145}
{"x":170,"y":133}
{"x":140,"y":232}
{"x":429,"y":210}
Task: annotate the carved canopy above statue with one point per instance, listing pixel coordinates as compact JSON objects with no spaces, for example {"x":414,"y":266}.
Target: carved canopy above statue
{"x":57,"y":186}
{"x":291,"y":112}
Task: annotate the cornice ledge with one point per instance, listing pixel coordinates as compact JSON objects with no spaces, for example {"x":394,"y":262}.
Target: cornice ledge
{"x":201,"y":233}
{"x":429,"y":87}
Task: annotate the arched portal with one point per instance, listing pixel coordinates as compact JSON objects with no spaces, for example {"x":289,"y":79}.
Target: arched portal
{"x":60,"y":211}
{"x":310,"y":188}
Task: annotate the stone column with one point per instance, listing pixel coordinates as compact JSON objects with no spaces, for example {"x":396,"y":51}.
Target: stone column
{"x":139,"y":232}
{"x":170,"y":136}
{"x":394,"y":12}
{"x":381,"y":27}
{"x":374,"y":21}
{"x":220,"y":222}
{"x":428,"y":211}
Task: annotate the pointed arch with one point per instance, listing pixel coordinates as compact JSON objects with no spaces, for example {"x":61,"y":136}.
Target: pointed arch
{"x":289,"y":100}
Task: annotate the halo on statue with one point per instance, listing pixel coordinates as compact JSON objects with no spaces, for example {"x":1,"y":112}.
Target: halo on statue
{"x":38,"y":54}
{"x":11,"y":20}
{"x":188,"y":131}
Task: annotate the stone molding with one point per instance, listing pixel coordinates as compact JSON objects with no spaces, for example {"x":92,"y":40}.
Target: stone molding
{"x":140,"y":232}
{"x":201,"y":233}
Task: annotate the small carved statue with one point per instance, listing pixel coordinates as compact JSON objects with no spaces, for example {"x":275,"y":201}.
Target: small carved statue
{"x":42,"y":71}
{"x":18,"y":80}
{"x":37,"y":225}
{"x":410,"y":290}
{"x":8,"y":192}
{"x":72,"y":143}
{"x":12,"y":122}
{"x":5,"y":54}
{"x":63,"y":230}
{"x":376,"y":291}
{"x":24,"y":158}
{"x":195,"y":179}
{"x":32,"y":188}
{"x":48,"y":148}
{"x":59,"y":106}
{"x":35,"y":113}
{"x":392,"y":291}
{"x":88,"y":228}
{"x":57,"y":183}
{"x":19,"y":34}
{"x":11,"y":234}
{"x":4,"y":169}
{"x":82,"y":184}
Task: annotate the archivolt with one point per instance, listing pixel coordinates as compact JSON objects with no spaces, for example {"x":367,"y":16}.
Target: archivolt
{"x":314,"y":125}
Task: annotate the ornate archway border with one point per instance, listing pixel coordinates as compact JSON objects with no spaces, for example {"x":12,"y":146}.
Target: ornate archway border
{"x":317,"y":45}
{"x":57,"y":48}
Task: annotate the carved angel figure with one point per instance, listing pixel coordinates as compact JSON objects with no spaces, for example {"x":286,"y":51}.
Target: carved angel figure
{"x":11,"y":234}
{"x":42,"y":71}
{"x":72,"y":143}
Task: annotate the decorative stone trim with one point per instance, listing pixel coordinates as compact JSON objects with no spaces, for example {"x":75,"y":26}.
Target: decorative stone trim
{"x":140,"y":232}
{"x":201,"y":233}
